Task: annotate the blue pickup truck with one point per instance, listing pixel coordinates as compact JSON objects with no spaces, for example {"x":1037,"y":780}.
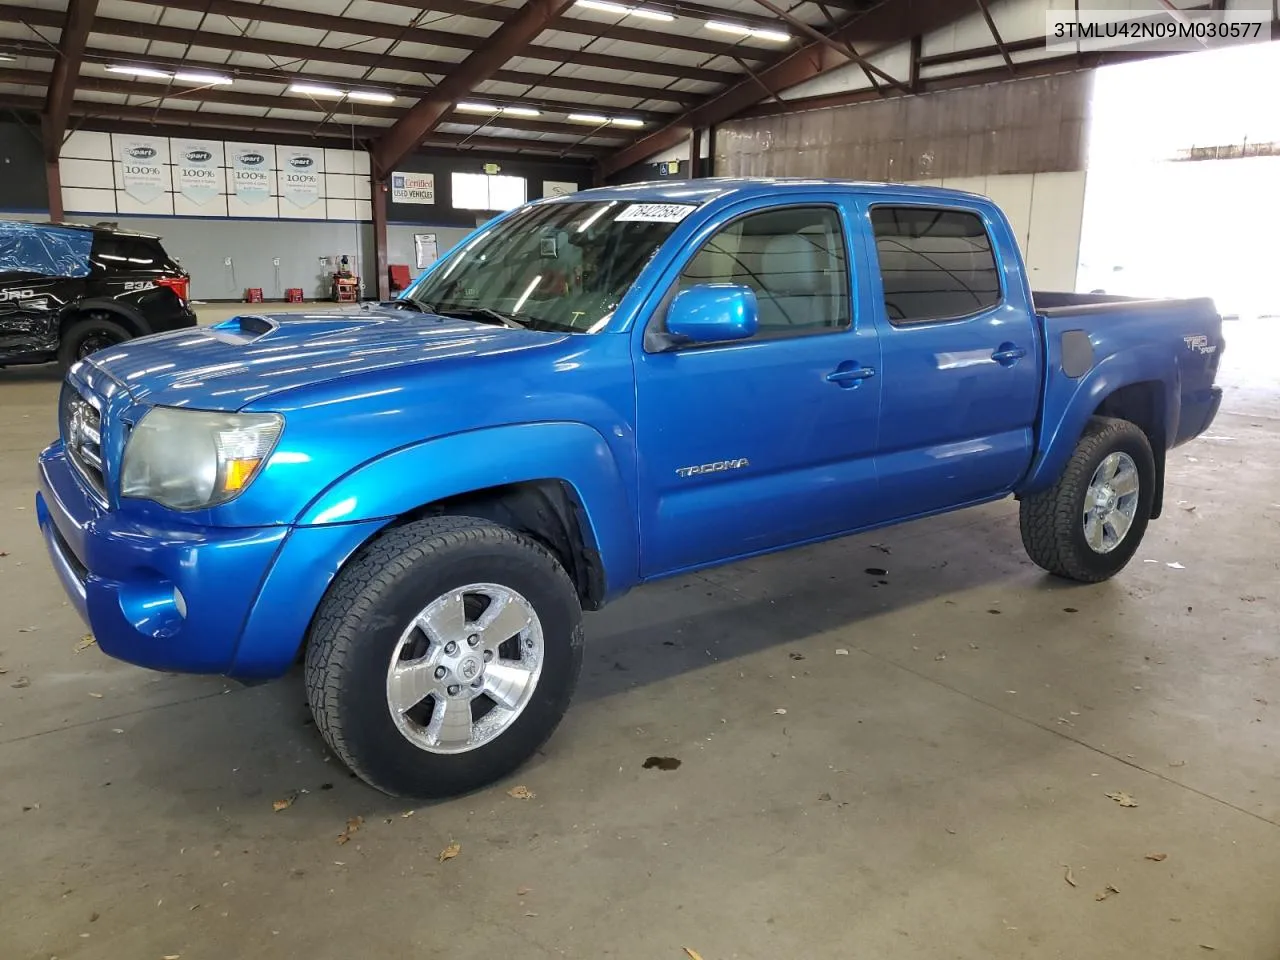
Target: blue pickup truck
{"x":419,"y":499}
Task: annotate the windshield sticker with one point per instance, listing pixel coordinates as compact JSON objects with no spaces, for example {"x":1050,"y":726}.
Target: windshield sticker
{"x":656,"y":212}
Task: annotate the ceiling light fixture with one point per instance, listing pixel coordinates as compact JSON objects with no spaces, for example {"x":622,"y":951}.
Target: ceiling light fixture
{"x":522,"y":111}
{"x":477,"y":108}
{"x":604,"y":6}
{"x":315,"y":90}
{"x":5,"y":58}
{"x":371,"y":96}
{"x":627,"y":122}
{"x":774,"y":36}
{"x":210,"y":79}
{"x":140,"y":72}
{"x":588,"y":118}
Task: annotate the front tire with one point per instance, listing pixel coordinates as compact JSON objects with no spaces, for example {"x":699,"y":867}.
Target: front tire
{"x":1089,"y":524}
{"x":443,"y":656}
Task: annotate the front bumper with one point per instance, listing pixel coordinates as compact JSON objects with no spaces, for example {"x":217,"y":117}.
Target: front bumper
{"x":236,"y":601}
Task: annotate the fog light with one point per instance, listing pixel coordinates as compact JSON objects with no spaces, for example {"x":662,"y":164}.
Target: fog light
{"x":180,"y":602}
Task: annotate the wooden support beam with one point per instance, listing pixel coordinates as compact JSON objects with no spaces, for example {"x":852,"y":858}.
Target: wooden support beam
{"x":66,"y":71}
{"x":506,"y":42}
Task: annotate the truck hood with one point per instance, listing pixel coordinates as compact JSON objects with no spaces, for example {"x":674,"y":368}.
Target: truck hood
{"x":252,"y":356}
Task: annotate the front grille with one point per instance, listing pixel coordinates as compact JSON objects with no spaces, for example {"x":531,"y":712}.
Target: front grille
{"x":81,"y":426}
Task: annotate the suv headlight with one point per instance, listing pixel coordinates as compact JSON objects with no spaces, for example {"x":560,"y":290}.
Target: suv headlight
{"x":187,"y":459}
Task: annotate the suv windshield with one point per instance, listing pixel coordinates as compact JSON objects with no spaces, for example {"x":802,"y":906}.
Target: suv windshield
{"x":558,"y":266}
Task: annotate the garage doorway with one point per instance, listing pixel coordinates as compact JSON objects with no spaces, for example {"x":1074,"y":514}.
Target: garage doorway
{"x":1181,"y":197}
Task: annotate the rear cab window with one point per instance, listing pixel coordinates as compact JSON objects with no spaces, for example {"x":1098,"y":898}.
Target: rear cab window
{"x":935,"y":263}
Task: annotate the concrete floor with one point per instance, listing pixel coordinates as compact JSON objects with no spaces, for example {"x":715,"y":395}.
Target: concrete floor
{"x":931,"y":793}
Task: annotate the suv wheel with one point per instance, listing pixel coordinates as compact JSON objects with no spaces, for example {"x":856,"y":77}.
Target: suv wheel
{"x":88,"y":336}
{"x":443,"y":656}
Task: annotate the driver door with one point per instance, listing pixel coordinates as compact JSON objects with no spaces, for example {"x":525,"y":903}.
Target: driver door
{"x":757,"y":444}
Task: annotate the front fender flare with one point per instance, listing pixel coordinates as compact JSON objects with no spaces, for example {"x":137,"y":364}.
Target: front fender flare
{"x":1076,"y":401}
{"x":411,"y":477}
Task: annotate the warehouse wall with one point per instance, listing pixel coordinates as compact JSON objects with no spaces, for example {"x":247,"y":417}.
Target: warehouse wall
{"x":1035,"y":125}
{"x":22,"y":179}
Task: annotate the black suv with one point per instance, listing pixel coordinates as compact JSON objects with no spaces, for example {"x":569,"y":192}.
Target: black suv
{"x":67,"y":291}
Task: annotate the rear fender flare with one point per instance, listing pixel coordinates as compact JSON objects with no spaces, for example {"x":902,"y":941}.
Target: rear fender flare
{"x":120,"y":313}
{"x":407,"y":479}
{"x":1081,"y":398}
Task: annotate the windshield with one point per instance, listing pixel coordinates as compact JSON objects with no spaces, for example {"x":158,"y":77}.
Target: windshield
{"x":558,"y":266}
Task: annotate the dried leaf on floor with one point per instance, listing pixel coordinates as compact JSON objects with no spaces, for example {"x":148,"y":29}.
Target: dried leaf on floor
{"x":781,"y":711}
{"x":522,"y":891}
{"x":824,"y":796}
{"x":521,"y":792}
{"x":1105,"y":892}
{"x":449,"y":852}
{"x":1069,"y":876}
{"x":692,"y":954}
{"x":877,"y":572}
{"x":881,"y":547}
{"x":87,"y":641}
{"x":1175,"y":566}
{"x":660,"y":763}
{"x":117,"y":730}
{"x":285,"y":802}
{"x":173,"y":956}
{"x":941,"y":656}
{"x":1177,"y":763}
{"x":1205,"y":946}
{"x":841,"y":652}
{"x":1064,"y":721}
{"x":96,"y":696}
{"x":353,"y":825}
{"x":21,"y":683}
{"x":407,"y":814}
{"x":796,"y":656}
{"x":1122,"y":798}
{"x":530,"y":914}
{"x":1157,"y":857}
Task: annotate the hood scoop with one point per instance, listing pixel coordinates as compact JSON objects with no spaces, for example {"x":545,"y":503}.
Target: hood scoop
{"x":247,"y":328}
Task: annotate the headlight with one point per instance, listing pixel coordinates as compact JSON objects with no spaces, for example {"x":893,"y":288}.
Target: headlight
{"x":188,"y":459}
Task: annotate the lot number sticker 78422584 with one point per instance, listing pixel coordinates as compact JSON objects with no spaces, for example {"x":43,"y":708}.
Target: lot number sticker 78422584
{"x":656,"y":212}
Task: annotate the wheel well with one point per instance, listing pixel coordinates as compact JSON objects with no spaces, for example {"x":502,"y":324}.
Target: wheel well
{"x":546,"y":510}
{"x":1142,"y":404}
{"x":72,"y":317}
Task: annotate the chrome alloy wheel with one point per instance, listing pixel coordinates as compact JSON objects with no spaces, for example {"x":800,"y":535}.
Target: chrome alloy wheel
{"x":1111,"y":502}
{"x":466,"y":668}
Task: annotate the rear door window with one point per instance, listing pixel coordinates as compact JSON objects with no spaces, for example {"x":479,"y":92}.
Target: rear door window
{"x":935,"y":264}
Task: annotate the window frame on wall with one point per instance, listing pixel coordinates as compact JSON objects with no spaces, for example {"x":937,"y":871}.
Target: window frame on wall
{"x":489,"y":179}
{"x":941,"y":208}
{"x":844,"y":236}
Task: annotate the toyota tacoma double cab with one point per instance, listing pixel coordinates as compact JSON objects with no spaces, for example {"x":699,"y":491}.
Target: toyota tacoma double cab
{"x":67,"y":291}
{"x":589,"y":393}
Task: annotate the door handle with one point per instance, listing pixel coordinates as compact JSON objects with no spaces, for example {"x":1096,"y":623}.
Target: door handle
{"x":850,"y":374}
{"x":1008,"y":354}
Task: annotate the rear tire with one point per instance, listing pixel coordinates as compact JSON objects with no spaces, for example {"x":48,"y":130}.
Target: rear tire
{"x":89,"y":335}
{"x":1058,"y":523}
{"x":415,"y":681}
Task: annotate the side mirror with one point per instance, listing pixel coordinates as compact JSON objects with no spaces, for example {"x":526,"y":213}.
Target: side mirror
{"x":712,"y":313}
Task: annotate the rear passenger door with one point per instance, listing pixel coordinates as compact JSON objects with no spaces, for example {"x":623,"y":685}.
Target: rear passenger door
{"x":760,"y":443}
{"x":960,"y":355}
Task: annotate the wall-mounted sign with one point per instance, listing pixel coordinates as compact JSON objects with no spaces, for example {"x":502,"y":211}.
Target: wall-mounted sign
{"x":197,"y":169}
{"x":425,"y":249}
{"x":413,"y":188}
{"x":558,"y":188}
{"x":251,"y":166}
{"x":142,"y":166}
{"x":300,"y":172}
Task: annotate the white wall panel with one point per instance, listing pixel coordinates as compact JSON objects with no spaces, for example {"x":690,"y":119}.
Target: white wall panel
{"x":182,"y":207}
{"x":269,"y":208}
{"x":161,"y":206}
{"x":340,"y":186}
{"x":88,"y":145}
{"x":364,"y":210}
{"x":84,"y":200}
{"x":87,"y":173}
{"x":1013,"y":193}
{"x":339,"y":161}
{"x":342,"y":210}
{"x":316,"y":211}
{"x":1053,"y":242}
